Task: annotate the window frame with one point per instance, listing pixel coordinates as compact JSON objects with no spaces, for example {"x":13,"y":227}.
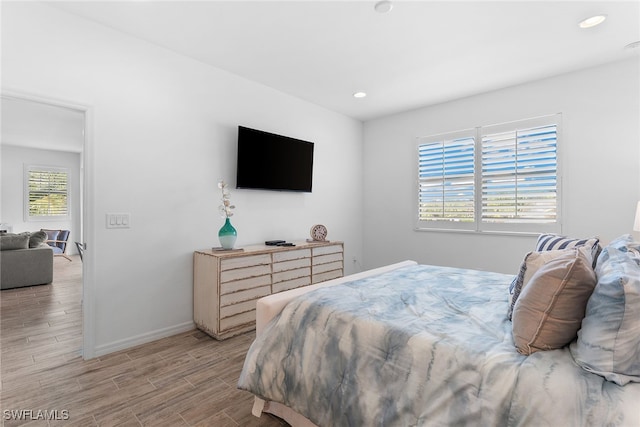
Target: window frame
{"x":28,"y":169}
{"x":478,"y":225}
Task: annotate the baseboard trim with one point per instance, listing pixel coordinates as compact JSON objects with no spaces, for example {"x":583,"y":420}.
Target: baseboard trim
{"x":126,"y":343}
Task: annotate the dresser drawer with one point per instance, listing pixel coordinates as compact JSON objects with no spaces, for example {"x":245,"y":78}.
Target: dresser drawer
{"x":243,"y":273}
{"x":291,"y":284}
{"x":326,"y":259}
{"x":241,"y":296}
{"x":235,"y":309}
{"x":323,"y":250}
{"x":322,"y":268}
{"x":289,"y":255}
{"x":291,"y":274}
{"x":241,"y":285}
{"x":322,"y":277}
{"x":246,"y":318}
{"x":291,"y":265}
{"x":245,"y":261}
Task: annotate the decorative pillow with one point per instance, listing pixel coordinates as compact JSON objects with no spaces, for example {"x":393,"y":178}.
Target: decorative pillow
{"x":549,"y":242}
{"x":609,"y":342}
{"x":37,"y":238}
{"x":531,"y":263}
{"x":10,"y":241}
{"x":52,"y":235}
{"x":548,"y":313}
{"x":625,"y":243}
{"x":516,"y":285}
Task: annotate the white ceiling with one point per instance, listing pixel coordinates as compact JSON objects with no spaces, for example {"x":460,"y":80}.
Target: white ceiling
{"x":420,"y":53}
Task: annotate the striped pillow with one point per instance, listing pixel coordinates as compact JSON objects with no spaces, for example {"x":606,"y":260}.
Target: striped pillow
{"x":553,"y":242}
{"x":516,"y":286}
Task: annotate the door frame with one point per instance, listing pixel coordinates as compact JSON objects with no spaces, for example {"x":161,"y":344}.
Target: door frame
{"x":87,"y":183}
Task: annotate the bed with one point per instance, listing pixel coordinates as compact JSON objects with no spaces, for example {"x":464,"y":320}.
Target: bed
{"x":411,"y":344}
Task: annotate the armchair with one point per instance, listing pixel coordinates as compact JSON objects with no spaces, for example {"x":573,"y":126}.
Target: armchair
{"x":57,"y":239}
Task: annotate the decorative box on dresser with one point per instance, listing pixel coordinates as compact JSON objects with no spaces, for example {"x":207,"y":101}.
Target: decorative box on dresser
{"x":226,"y":284}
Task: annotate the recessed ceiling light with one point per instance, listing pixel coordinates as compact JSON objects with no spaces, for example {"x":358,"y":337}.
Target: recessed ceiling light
{"x":359,"y":95}
{"x":592,"y":21}
{"x":383,"y":6}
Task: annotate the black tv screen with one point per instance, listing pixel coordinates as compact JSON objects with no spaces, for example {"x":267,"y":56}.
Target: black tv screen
{"x":273,"y":162}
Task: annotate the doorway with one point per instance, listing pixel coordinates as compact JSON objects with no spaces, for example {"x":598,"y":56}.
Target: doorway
{"x":39,"y":132}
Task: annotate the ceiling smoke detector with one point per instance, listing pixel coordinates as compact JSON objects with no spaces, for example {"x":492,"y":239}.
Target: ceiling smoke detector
{"x":383,"y":6}
{"x":633,"y":45}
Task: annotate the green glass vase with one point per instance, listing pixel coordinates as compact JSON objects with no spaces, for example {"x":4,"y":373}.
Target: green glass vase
{"x":227,"y":235}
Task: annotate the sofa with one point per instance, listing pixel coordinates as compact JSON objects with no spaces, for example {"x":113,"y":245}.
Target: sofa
{"x":25,"y":260}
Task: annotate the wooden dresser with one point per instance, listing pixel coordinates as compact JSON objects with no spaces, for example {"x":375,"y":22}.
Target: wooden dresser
{"x":226,"y":285}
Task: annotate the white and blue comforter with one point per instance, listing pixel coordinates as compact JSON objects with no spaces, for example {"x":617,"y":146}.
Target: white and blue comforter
{"x":423,"y":345}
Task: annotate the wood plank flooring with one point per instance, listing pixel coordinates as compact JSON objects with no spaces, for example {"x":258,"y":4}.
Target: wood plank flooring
{"x":185,"y":380}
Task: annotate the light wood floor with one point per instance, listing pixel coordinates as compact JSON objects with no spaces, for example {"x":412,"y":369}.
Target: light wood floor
{"x":185,"y":380}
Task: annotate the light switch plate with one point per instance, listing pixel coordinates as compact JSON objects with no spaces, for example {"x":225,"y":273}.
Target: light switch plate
{"x":118,"y":220}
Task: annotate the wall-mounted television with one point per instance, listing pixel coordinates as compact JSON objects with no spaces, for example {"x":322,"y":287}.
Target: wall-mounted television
{"x":268,"y":161}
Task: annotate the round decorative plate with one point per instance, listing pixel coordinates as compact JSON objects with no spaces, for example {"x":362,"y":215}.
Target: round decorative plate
{"x":319,"y":232}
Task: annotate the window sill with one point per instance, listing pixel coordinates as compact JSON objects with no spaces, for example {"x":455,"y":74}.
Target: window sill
{"x":479,"y":232}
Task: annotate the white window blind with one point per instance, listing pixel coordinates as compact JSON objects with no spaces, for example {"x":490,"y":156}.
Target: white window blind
{"x":446,"y":180}
{"x":46,"y":192}
{"x":492,"y":178}
{"x":519,"y":182}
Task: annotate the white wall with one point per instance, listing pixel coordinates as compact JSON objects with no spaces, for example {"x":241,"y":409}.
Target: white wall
{"x":164,"y":132}
{"x":599,"y":153}
{"x":14,"y":160}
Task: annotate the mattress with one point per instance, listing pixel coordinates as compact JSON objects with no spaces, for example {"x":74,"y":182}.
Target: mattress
{"x":422,"y":345}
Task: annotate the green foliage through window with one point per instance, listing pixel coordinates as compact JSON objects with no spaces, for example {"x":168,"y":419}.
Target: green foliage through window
{"x":48,"y":194}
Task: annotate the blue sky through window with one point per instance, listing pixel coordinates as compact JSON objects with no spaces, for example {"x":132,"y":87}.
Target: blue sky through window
{"x":518,"y":181}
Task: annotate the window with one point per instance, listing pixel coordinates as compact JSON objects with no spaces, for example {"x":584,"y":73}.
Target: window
{"x":492,"y":178}
{"x":46,"y":193}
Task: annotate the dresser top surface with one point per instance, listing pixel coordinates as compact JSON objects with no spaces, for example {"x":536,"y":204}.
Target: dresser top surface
{"x":264,"y":249}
